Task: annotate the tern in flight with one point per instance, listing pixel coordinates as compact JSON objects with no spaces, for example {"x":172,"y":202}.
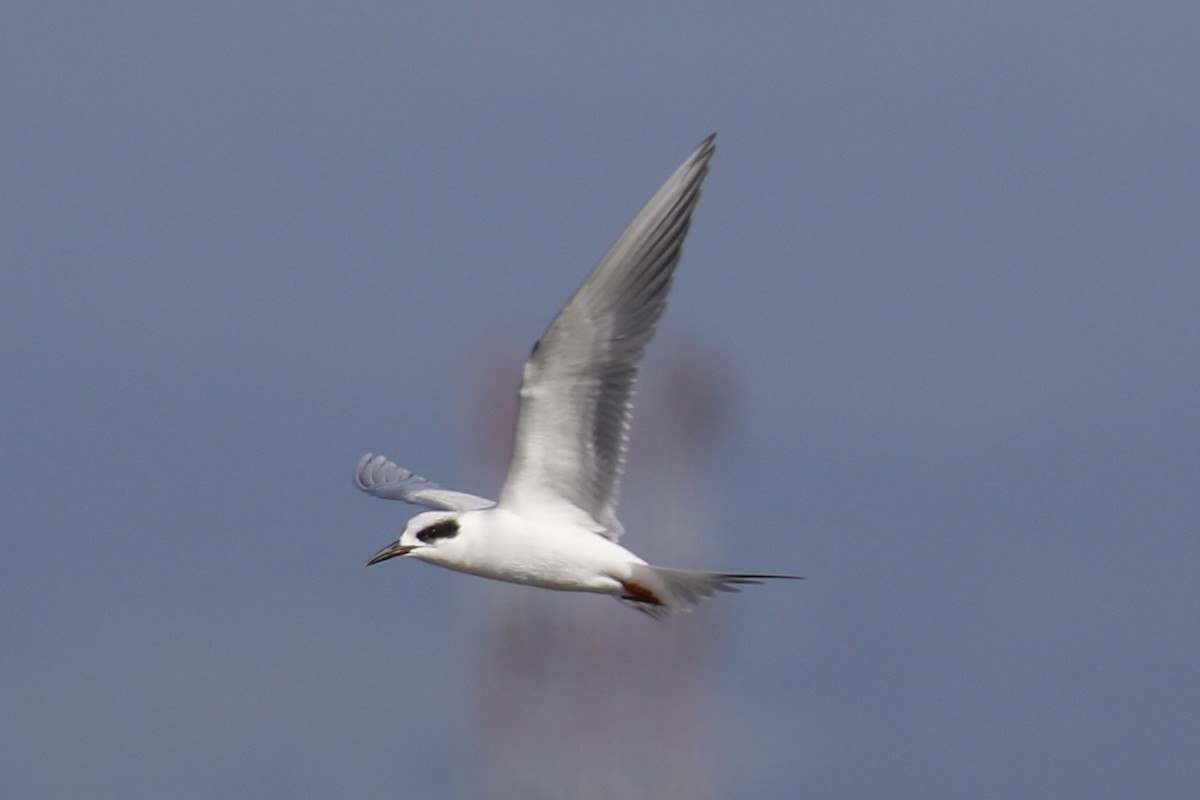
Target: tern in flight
{"x":555,"y":524}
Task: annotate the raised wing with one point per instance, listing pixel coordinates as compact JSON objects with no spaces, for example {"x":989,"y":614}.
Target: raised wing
{"x":577,"y":388}
{"x":382,"y":478}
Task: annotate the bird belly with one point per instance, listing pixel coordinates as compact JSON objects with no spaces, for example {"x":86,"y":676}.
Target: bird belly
{"x":564,"y":560}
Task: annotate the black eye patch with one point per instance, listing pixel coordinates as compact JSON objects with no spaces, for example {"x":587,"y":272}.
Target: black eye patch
{"x":439,"y":530}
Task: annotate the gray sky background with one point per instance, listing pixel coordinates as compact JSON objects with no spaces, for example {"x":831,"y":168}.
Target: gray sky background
{"x":948,"y":251}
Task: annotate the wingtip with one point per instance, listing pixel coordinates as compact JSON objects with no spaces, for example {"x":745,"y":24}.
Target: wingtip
{"x":365,"y":469}
{"x":358,"y":471}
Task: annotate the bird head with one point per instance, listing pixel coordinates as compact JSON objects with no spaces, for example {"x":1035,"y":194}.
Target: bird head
{"x":425,"y":537}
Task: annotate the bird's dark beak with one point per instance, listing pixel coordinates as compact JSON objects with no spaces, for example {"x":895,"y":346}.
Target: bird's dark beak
{"x":391,"y":551}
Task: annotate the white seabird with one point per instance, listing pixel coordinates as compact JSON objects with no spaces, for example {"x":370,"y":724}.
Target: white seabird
{"x":555,"y":524}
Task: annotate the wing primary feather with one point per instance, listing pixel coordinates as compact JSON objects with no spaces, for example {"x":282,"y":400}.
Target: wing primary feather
{"x":380,"y":477}
{"x":577,"y":388}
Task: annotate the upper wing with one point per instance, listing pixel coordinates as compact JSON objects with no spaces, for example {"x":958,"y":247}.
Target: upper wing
{"x":380,"y":477}
{"x":577,"y":388}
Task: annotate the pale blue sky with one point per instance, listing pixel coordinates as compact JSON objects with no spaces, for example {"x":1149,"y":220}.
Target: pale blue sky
{"x":949,"y":253}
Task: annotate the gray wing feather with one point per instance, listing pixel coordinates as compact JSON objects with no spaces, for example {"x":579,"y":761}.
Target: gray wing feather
{"x":577,"y":387}
{"x":377,"y":476}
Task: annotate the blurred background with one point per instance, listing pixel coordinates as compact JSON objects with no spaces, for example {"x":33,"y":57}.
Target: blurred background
{"x":934,"y":344}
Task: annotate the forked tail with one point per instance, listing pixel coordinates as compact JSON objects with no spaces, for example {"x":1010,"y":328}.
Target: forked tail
{"x":661,"y":591}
